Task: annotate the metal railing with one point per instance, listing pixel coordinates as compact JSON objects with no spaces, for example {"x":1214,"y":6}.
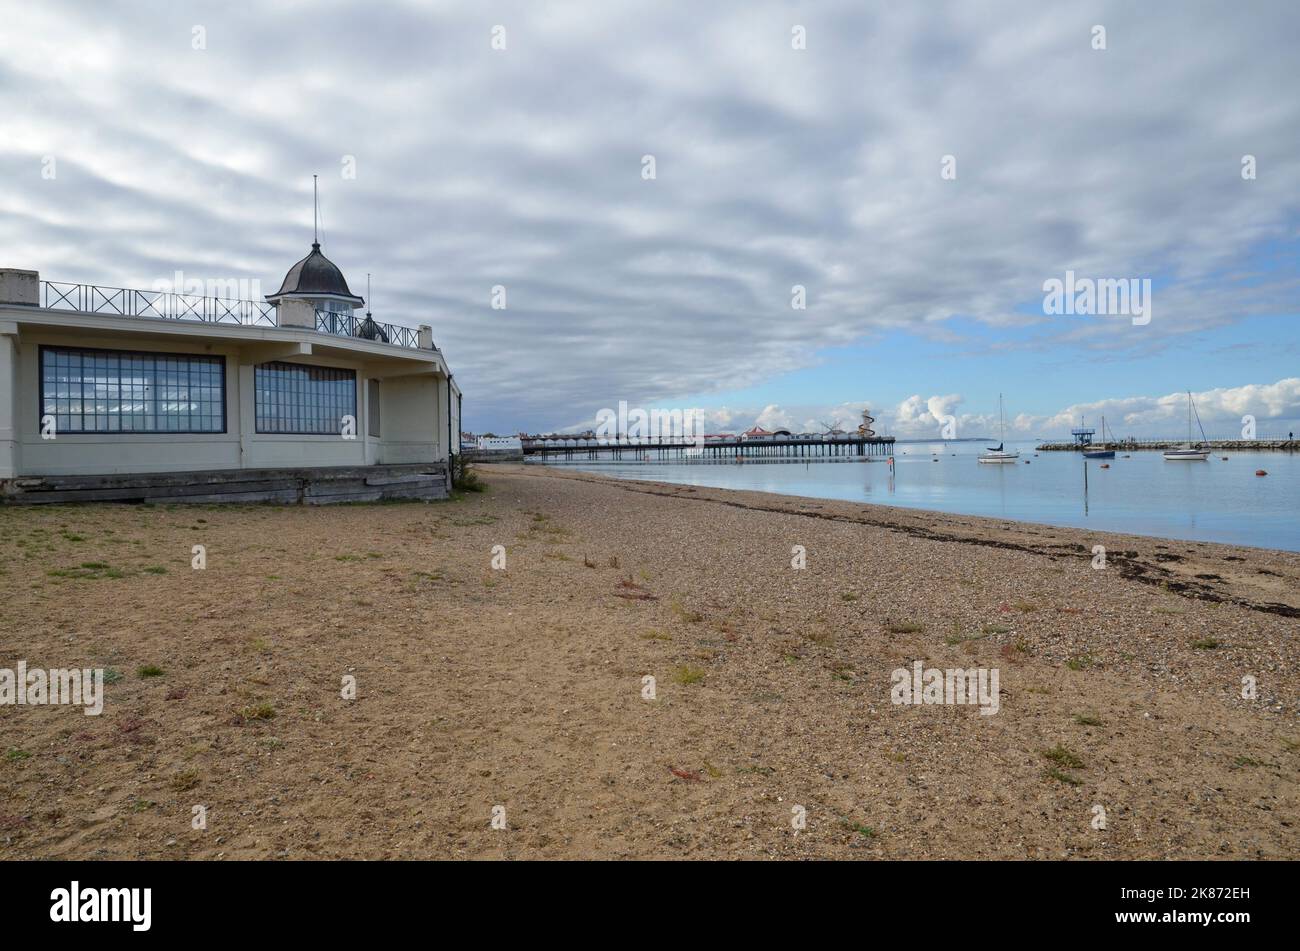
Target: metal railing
{"x":125,"y":302}
{"x":366,"y":328}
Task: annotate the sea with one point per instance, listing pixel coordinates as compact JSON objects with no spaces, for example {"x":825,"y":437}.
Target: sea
{"x":1221,"y":500}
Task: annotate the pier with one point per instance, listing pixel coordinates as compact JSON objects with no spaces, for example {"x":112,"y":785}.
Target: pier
{"x":792,"y":447}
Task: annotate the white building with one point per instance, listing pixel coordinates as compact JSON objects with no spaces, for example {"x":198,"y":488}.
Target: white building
{"x":123,"y":394}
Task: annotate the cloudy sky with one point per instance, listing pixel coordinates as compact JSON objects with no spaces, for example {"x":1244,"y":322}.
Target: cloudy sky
{"x":920,"y":170}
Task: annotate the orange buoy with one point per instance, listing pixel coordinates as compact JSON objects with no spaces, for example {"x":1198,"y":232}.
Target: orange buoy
{"x":1105,"y":465}
{"x":1260,"y":472}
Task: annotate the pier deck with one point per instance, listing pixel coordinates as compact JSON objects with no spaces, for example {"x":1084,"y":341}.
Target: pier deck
{"x":712,"y":449}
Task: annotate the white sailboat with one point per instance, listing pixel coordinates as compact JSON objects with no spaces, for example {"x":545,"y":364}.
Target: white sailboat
{"x":998,"y":455}
{"x":1190,"y":453}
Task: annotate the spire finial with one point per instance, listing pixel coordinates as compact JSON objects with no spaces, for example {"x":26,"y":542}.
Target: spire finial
{"x":367,"y":293}
{"x":315,"y":214}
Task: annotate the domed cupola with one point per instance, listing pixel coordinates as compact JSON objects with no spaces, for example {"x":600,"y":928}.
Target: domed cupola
{"x":317,"y":280}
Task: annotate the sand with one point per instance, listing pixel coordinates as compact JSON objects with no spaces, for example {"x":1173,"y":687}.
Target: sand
{"x":522,"y":688}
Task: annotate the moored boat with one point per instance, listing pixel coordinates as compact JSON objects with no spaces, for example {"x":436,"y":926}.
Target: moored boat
{"x":1100,"y":453}
{"x":998,"y":454}
{"x":1188,"y":452}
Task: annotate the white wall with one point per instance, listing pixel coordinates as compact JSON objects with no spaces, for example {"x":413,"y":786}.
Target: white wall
{"x":10,"y":447}
{"x":410,"y":408}
{"x":93,"y":453}
{"x":411,"y":419}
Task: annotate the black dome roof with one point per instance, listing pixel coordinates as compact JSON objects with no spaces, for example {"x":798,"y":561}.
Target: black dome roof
{"x":315,"y":274}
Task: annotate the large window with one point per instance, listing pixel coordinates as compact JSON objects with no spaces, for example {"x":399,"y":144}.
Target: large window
{"x":122,"y":391}
{"x":305,"y":400}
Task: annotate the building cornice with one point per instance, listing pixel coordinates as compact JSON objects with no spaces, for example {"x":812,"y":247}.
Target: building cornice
{"x":22,"y":317}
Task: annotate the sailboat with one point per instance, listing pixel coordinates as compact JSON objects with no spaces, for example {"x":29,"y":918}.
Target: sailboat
{"x":998,"y":454}
{"x":1100,"y":453}
{"x":1190,"y":453}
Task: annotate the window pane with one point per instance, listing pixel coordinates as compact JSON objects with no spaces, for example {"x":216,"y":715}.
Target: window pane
{"x":309,"y":400}
{"x":123,"y":391}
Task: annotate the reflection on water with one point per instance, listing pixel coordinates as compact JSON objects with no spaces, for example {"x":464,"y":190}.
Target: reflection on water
{"x":1140,"y":493}
{"x":1085,"y":486}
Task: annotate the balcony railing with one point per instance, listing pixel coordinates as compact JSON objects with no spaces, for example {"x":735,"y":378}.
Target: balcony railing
{"x":366,"y":328}
{"x":125,"y":302}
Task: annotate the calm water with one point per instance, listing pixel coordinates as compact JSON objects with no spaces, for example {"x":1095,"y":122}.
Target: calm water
{"x":1201,"y":501}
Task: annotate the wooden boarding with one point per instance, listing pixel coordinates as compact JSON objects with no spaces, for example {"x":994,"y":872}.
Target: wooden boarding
{"x":283,"y":497}
{"x":318,"y":486}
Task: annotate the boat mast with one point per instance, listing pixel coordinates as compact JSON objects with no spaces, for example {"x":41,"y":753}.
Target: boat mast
{"x":1205,"y":440}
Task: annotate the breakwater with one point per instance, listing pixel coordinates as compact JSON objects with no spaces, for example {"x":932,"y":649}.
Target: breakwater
{"x":1138,"y":445}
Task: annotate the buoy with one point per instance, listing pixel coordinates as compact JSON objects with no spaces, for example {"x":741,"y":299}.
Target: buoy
{"x":1105,"y":465}
{"x":1260,"y":472}
{"x":1027,"y":461}
{"x":1224,"y":458}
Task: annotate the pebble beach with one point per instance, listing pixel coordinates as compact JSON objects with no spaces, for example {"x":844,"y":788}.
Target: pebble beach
{"x":1147,"y":709}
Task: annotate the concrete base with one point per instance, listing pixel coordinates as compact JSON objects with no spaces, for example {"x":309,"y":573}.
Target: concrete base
{"x":493,"y":455}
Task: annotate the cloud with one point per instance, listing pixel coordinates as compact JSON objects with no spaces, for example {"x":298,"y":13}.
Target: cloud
{"x":1275,"y":406}
{"x":775,"y":167}
{"x":773,"y":417}
{"x":1222,"y":408}
{"x":1163,"y":415}
{"x":922,"y":417}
